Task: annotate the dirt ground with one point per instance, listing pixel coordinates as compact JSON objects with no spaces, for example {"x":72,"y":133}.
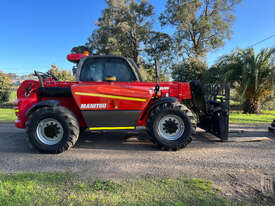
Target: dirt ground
{"x":241,"y":168}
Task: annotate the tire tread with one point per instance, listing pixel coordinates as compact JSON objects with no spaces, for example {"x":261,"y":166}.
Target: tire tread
{"x":171,"y":106}
{"x":69,"y":119}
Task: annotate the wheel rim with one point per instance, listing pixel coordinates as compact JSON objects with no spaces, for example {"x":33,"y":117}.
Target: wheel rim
{"x":171,"y":127}
{"x":49,"y":131}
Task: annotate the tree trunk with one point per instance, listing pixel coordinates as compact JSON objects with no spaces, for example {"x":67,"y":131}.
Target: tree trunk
{"x":135,"y":51}
{"x":252,"y":107}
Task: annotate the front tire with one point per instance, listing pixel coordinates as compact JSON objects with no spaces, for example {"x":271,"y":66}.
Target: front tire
{"x":52,"y":129}
{"x":171,"y":126}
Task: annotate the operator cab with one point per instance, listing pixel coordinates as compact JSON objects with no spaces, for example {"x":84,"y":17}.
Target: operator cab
{"x":104,"y":68}
{"x":99,"y":69}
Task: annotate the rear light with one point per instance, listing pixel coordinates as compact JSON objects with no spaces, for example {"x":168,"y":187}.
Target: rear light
{"x":16,"y":106}
{"x":16,"y":110}
{"x":75,"y":58}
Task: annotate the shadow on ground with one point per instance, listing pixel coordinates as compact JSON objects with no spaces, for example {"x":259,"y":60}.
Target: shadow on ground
{"x":14,"y":140}
{"x":115,"y":141}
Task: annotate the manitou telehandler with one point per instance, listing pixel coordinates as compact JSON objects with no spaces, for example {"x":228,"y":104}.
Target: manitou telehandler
{"x":109,"y":95}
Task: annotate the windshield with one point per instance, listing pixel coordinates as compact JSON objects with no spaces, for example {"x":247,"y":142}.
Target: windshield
{"x":97,"y":69}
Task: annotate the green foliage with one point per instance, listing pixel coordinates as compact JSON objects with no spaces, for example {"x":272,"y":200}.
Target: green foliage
{"x":213,"y":75}
{"x":105,"y":185}
{"x":13,"y":96}
{"x":4,"y":96}
{"x":5,"y":86}
{"x":62,"y":75}
{"x":265,"y":117}
{"x":67,"y":189}
{"x":201,"y":25}
{"x":158,"y":47}
{"x":125,"y":29}
{"x":251,"y":75}
{"x":269,"y":103}
{"x":148,"y":73}
{"x":122,"y":29}
{"x":7,"y":115}
{"x":188,"y":70}
{"x":271,"y":112}
{"x":80,"y":49}
{"x":144,"y":74}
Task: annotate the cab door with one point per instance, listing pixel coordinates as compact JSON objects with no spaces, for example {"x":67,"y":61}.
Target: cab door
{"x":109,"y":105}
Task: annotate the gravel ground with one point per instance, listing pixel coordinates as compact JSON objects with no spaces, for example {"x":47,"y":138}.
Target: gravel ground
{"x":241,"y":167}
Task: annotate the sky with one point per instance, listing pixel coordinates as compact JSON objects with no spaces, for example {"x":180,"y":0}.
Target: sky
{"x":34,"y":34}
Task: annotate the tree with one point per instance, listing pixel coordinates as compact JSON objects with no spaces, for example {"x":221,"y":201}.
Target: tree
{"x":158,"y":47}
{"x":62,"y":75}
{"x":122,"y":29}
{"x":200,"y":25}
{"x":125,"y":29}
{"x":148,"y":74}
{"x":5,"y":86}
{"x":189,"y":70}
{"x":252,"y":75}
{"x":213,"y":75}
{"x":80,"y":49}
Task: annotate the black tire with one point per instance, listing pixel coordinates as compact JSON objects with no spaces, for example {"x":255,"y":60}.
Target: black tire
{"x":82,"y":131}
{"x":65,"y":121}
{"x":179,"y":112}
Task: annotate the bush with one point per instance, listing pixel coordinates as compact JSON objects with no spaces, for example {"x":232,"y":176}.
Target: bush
{"x":148,"y":74}
{"x":4,"y":96}
{"x":188,"y":70}
{"x":213,"y":75}
{"x":62,"y":75}
{"x":5,"y":85}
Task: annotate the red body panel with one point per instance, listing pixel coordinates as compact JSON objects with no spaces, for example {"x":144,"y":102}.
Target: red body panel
{"x":22,"y":106}
{"x":75,"y":57}
{"x":116,"y":97}
{"x":139,"y":90}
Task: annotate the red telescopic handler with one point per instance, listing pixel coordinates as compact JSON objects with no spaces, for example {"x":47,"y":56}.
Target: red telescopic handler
{"x":110,"y":95}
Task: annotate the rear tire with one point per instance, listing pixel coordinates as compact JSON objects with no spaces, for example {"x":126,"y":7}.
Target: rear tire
{"x":52,"y":129}
{"x":171,"y":126}
{"x":82,"y":131}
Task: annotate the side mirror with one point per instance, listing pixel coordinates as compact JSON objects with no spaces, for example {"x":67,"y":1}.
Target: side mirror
{"x":110,"y":79}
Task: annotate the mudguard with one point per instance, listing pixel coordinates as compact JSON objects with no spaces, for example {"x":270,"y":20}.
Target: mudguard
{"x":163,"y":100}
{"x":46,"y":103}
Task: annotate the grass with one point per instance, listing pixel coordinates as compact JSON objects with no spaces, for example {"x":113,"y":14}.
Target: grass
{"x":68,"y":189}
{"x":9,"y":103}
{"x":269,"y":112}
{"x":266,"y":117}
{"x":13,"y":96}
{"x":7,"y":115}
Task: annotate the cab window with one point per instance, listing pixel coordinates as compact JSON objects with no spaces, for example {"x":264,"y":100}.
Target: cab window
{"x":97,"y":69}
